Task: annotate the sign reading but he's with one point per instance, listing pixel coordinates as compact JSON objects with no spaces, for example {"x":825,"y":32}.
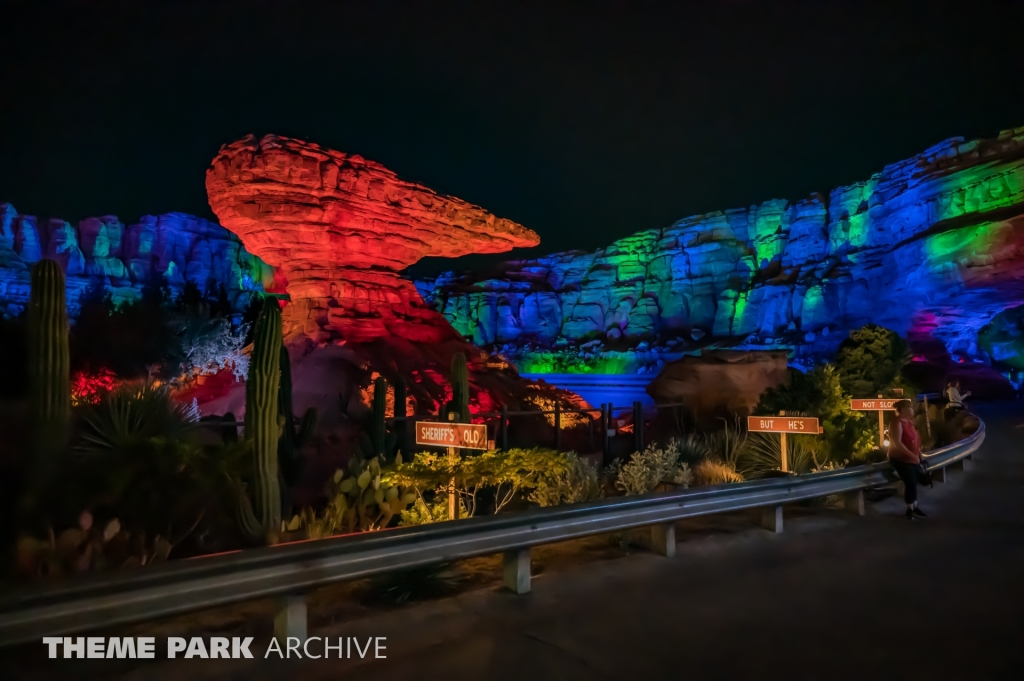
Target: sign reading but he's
{"x":783,"y":424}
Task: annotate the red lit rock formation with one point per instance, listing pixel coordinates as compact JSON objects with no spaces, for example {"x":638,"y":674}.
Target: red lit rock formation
{"x":340,"y":228}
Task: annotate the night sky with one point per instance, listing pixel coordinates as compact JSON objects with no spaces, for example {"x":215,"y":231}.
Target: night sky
{"x":585,"y":121}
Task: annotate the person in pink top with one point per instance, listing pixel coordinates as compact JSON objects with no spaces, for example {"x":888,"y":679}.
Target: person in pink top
{"x":905,"y":454}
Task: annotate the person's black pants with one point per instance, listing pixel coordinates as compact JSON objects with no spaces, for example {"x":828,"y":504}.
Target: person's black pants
{"x":908,"y":474}
{"x":950,"y":413}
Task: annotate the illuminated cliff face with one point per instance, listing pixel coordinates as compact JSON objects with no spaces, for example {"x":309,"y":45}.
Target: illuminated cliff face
{"x":932,"y":247}
{"x":339,"y":228}
{"x":120,"y":260}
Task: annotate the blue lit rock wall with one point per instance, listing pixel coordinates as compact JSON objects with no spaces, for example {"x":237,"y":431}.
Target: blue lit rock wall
{"x":932,"y":247}
{"x":122,"y":259}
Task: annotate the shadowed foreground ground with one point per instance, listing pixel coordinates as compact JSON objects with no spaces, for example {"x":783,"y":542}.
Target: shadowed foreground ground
{"x":835,"y":597}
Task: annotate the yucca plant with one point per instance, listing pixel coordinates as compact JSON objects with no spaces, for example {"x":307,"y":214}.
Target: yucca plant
{"x":140,"y":461}
{"x":763,"y":455}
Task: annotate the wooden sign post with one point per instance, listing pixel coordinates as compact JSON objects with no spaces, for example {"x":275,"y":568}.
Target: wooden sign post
{"x":454,"y":436}
{"x":783,"y":424}
{"x":880,"y":405}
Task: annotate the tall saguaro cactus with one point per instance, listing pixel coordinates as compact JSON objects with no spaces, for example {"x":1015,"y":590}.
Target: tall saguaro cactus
{"x":260,"y":516}
{"x":49,"y":365}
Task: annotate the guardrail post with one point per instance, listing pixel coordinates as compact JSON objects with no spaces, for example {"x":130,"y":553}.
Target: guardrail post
{"x":663,"y":539}
{"x":290,"y":618}
{"x":938,"y":474}
{"x":854,"y":501}
{"x":516,"y":565}
{"x":771,"y":519}
{"x":558,"y":426}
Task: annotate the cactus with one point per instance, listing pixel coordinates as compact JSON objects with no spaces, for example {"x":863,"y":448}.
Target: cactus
{"x":289,"y":446}
{"x":260,"y":516}
{"x":49,"y":371}
{"x":378,"y":433}
{"x":400,"y":426}
{"x":460,"y":389}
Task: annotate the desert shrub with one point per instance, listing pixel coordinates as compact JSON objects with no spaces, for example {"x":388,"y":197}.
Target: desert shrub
{"x":502,"y":475}
{"x":646,"y":469}
{"x":727,"y":445}
{"x":138,"y":461}
{"x":576,"y":483}
{"x":763,"y":454}
{"x":710,"y":472}
{"x":847,"y":434}
{"x":691,"y":448}
{"x":422,"y":513}
{"x":870,"y":362}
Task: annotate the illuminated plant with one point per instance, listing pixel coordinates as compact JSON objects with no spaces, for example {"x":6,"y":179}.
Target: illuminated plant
{"x":647,"y":469}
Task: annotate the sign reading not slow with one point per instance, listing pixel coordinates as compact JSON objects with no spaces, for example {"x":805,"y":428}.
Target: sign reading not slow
{"x":783,"y":424}
{"x":463,"y":435}
{"x":872,"y":405}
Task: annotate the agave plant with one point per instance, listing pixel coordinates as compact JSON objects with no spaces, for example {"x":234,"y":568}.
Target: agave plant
{"x":135,"y":413}
{"x":142,"y":464}
{"x":763,"y":454}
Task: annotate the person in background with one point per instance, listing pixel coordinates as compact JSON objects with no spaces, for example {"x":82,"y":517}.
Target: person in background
{"x":905,"y":454}
{"x":955,"y":401}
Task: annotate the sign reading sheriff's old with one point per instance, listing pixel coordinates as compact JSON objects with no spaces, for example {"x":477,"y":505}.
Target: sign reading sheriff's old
{"x":463,"y":435}
{"x":872,"y":405}
{"x":783,"y":424}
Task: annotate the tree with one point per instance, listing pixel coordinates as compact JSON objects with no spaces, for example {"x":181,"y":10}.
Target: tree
{"x":870,"y":362}
{"x":848,"y":434}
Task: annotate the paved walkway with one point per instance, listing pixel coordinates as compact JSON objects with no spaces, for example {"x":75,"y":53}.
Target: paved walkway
{"x":835,"y":597}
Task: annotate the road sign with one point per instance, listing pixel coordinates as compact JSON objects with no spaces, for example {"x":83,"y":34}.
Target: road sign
{"x":872,"y":405}
{"x":783,"y":424}
{"x":881,"y":406}
{"x":461,"y":435}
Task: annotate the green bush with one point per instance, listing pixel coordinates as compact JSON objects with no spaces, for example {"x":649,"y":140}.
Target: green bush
{"x":576,"y":483}
{"x":647,"y":469}
{"x":849,"y":435}
{"x":870,"y":362}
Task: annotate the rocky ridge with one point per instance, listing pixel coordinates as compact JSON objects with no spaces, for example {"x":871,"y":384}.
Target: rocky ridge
{"x":932,"y":247}
{"x":103,"y":252}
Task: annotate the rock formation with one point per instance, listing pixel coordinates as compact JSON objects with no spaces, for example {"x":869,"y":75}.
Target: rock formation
{"x":932,"y":247}
{"x":122,"y":260}
{"x":340,"y":228}
{"x":720,"y":383}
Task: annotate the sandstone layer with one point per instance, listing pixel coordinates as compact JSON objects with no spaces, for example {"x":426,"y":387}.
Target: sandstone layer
{"x":340,"y":228}
{"x":932,"y":247}
{"x":721,"y":383}
{"x":102,"y":252}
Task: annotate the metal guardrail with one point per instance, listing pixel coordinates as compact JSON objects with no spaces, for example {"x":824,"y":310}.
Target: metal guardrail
{"x":289,"y":570}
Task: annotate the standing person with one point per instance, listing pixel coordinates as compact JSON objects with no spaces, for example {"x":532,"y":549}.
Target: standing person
{"x":905,"y":454}
{"x":955,"y":401}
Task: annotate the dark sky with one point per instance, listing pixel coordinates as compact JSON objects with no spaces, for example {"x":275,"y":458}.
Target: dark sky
{"x":585,"y":121}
